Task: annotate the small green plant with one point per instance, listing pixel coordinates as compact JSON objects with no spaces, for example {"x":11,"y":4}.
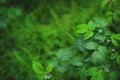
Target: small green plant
{"x":41,"y":72}
{"x":95,"y":55}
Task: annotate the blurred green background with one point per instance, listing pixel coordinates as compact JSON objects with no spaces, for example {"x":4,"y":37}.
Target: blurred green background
{"x":36,"y":29}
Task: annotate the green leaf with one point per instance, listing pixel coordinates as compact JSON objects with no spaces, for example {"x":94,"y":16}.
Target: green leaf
{"x":98,"y":75}
{"x":91,"y":25}
{"x":83,"y":74}
{"x":65,"y":54}
{"x":37,"y":67}
{"x":41,"y":76}
{"x":114,"y":41}
{"x":100,"y":22}
{"x":49,"y":68}
{"x":104,"y":3}
{"x":88,"y":35}
{"x":118,"y":59}
{"x":77,"y":61}
{"x":91,"y":71}
{"x":97,"y":57}
{"x":102,"y":49}
{"x":107,"y":32}
{"x":80,"y":44}
{"x":113,"y":56}
{"x":95,"y":73}
{"x":91,"y":45}
{"x":99,"y":37}
{"x":82,"y":28}
{"x":117,"y":36}
{"x":62,"y":67}
{"x":108,"y":13}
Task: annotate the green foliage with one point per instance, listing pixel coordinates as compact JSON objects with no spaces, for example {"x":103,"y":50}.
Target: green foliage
{"x":49,"y":68}
{"x":104,"y":3}
{"x":91,"y":45}
{"x":91,"y":71}
{"x":37,"y":67}
{"x":88,"y":35}
{"x":77,"y":61}
{"x":98,"y":75}
{"x":91,"y":25}
{"x":115,"y":38}
{"x":39,"y":42}
{"x":100,"y":37}
{"x":95,"y":52}
{"x":83,"y":74}
{"x":40,"y":71}
{"x":83,"y":28}
{"x":97,"y":57}
{"x":95,"y":73}
{"x":64,"y":54}
{"x":87,"y":29}
{"x":100,"y":22}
